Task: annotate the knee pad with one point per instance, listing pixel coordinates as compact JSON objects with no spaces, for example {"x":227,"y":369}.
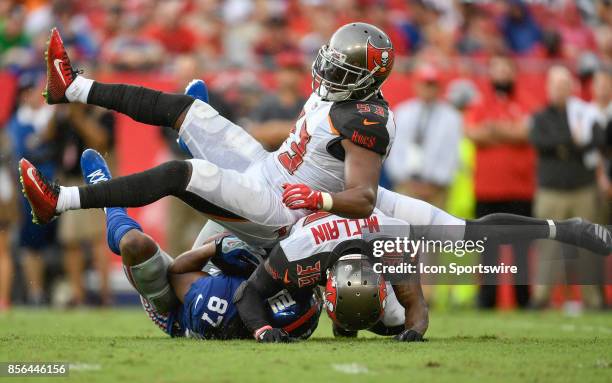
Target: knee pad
{"x":205,"y":177}
{"x":150,"y":279}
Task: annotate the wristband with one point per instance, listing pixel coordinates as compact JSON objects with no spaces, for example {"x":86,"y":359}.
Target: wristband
{"x":328,"y":201}
{"x":261,"y":330}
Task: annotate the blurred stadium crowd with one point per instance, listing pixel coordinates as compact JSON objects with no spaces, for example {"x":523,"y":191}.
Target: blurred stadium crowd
{"x":501,"y":106}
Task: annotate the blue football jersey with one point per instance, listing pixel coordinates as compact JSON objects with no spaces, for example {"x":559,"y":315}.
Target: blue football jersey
{"x":208,"y":311}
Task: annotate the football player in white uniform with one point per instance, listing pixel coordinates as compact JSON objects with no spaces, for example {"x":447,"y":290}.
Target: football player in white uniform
{"x":330,"y":161}
{"x":301,"y":261}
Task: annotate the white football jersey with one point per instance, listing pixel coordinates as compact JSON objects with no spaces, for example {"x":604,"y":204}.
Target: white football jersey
{"x":242,"y":183}
{"x":322,"y":233}
{"x":313,"y":155}
{"x":319,"y":239}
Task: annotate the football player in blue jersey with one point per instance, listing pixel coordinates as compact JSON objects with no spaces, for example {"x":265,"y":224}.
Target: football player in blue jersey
{"x":182,"y":299}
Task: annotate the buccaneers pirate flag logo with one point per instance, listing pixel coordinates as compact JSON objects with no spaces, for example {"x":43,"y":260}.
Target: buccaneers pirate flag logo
{"x":381,"y":58}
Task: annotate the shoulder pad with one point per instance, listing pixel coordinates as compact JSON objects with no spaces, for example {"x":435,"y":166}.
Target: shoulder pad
{"x":362,"y":122}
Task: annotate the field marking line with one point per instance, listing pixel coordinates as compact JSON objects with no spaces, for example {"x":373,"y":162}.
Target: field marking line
{"x":350,"y":368}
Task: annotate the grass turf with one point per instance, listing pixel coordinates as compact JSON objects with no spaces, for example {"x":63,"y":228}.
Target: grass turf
{"x":122,"y":345}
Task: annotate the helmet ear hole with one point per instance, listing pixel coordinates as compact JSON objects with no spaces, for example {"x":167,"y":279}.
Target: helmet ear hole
{"x":365,"y":283}
{"x":348,"y":283}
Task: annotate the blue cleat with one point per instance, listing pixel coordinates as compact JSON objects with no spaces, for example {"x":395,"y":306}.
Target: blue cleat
{"x":198,"y":90}
{"x":118,"y":223}
{"x":94,"y":167}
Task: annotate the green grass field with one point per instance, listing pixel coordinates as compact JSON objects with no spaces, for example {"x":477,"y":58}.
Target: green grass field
{"x":122,"y":345}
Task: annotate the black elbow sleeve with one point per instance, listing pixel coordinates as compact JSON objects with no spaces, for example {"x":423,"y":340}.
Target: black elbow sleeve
{"x":250,"y":298}
{"x":250,"y":307}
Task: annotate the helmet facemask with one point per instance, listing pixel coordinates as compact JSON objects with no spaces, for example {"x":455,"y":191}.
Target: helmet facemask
{"x":335,"y":80}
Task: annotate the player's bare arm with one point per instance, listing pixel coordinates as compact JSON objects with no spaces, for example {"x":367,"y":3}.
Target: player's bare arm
{"x":248,"y":300}
{"x":187,"y":268}
{"x":357,"y":200}
{"x":230,"y":255}
{"x":193,"y":260}
{"x":364,"y":132}
{"x":410,"y":295}
{"x":362,"y":169}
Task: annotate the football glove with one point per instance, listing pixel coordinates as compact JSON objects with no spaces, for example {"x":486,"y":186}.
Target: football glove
{"x":267,"y":334}
{"x":409,"y":335}
{"x":300,"y":196}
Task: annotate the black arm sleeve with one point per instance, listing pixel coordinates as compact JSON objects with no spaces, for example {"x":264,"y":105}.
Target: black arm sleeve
{"x":250,"y":296}
{"x":506,"y":228}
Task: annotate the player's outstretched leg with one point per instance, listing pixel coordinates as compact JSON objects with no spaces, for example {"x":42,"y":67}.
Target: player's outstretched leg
{"x":432,"y":223}
{"x":48,"y":199}
{"x":144,"y":263}
{"x":226,"y":194}
{"x":118,"y":223}
{"x":204,"y":133}
{"x":142,"y":104}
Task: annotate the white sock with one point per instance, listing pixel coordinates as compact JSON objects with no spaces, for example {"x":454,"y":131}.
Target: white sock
{"x":68,"y":199}
{"x":79,"y":90}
